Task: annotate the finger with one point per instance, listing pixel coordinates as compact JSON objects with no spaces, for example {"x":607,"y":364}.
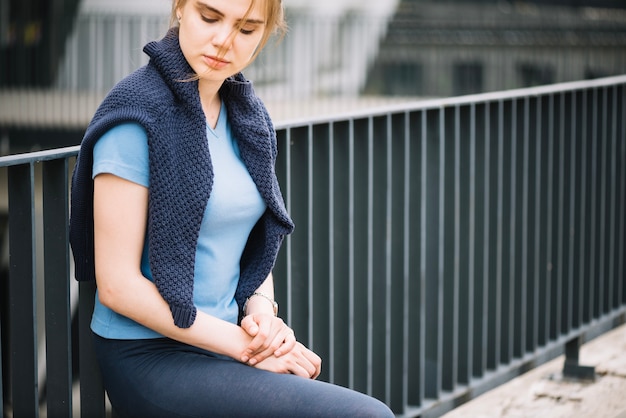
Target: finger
{"x":257,"y":330}
{"x":284,"y":342}
{"x":260,"y":348}
{"x":249,"y":325}
{"x":288,"y":344}
{"x":310,"y":367}
{"x":317,"y":373}
{"x":299,"y":370}
{"x":268,"y":349}
{"x":271,"y":335}
{"x":259,"y":342}
{"x":315,"y":361}
{"x":300,"y":363}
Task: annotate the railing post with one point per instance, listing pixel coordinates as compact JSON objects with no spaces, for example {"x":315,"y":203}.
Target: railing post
{"x":571,"y":368}
{"x":22,"y":315}
{"x":57,"y":289}
{"x":91,"y":389}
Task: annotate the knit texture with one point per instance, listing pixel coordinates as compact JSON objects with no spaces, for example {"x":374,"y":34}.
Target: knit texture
{"x":160,"y":97}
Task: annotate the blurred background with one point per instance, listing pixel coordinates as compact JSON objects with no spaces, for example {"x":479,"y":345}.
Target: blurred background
{"x":58,"y":58}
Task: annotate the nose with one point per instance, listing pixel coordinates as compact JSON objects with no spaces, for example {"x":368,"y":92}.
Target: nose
{"x":223,"y":37}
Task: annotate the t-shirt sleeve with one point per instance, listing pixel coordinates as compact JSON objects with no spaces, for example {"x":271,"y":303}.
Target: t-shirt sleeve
{"x":123,"y":151}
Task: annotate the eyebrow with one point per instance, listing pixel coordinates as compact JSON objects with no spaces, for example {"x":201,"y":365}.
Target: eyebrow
{"x":219,"y":13}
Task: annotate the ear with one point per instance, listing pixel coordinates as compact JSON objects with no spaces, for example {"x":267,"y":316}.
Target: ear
{"x":179,"y":9}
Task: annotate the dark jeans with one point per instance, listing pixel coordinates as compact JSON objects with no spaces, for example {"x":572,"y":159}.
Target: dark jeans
{"x":164,"y":378}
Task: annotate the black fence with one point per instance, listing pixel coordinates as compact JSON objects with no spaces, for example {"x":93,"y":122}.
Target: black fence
{"x":441,"y":249}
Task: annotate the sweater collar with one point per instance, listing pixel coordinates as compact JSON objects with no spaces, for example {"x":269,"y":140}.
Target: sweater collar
{"x":253,"y":128}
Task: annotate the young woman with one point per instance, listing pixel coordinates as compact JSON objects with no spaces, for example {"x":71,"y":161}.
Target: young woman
{"x":178,"y":216}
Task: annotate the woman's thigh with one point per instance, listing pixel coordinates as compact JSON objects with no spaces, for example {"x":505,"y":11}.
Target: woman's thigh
{"x":163,"y":378}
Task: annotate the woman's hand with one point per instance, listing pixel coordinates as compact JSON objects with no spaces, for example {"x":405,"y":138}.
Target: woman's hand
{"x":270,"y":337}
{"x":300,"y":361}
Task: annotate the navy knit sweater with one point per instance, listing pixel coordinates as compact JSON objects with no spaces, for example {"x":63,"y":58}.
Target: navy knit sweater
{"x":160,"y":98}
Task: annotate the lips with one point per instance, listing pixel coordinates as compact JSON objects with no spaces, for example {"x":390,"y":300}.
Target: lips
{"x":215,"y":62}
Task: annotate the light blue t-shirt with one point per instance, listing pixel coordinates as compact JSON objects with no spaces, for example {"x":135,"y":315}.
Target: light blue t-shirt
{"x":232,"y":211}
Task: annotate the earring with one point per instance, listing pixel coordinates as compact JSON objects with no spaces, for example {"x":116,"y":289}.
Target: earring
{"x":178,"y":17}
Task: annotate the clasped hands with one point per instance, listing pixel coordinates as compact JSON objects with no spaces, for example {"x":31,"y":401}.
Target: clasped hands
{"x":274,"y":347}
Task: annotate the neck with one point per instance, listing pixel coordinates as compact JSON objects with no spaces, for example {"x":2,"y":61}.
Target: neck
{"x":211,"y":103}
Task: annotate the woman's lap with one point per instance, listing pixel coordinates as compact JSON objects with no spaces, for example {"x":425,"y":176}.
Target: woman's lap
{"x":163,"y":378}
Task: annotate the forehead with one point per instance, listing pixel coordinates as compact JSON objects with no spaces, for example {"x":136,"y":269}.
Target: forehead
{"x":253,"y":9}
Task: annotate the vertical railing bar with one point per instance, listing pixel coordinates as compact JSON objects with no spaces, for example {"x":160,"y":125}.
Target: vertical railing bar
{"x":351,"y":250}
{"x":487,"y":216}
{"x":370,"y":251}
{"x":561,"y":303}
{"x":471,"y":277}
{"x":298,"y":284}
{"x":524,"y":268}
{"x":92,"y":404}
{"x":289,"y":279}
{"x":310,"y":236}
{"x":603,"y":186}
{"x":388,"y":259}
{"x":406,"y":254}
{"x":57,"y":288}
{"x":622,"y":204}
{"x":331,"y":252}
{"x":441,"y":246}
{"x":584,"y":138}
{"x":500,"y":238}
{"x":22,"y":291}
{"x":513,"y":233}
{"x":538,"y":220}
{"x":613,"y":303}
{"x":550,"y":216}
{"x":423,"y":246}
{"x":571,"y":310}
{"x":592,"y":216}
{"x":457,"y":244}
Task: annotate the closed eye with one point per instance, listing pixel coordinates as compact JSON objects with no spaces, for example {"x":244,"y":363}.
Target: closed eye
{"x":211,"y":15}
{"x":209,"y":19}
{"x":245,"y":31}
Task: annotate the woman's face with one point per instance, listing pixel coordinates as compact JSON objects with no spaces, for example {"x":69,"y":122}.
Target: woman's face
{"x":219,"y":37}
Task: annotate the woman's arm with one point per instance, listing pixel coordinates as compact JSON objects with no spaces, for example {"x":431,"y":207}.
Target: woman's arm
{"x":258,"y":305}
{"x":120,"y":218}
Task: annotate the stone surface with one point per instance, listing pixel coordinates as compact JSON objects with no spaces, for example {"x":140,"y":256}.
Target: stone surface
{"x":544,"y":393}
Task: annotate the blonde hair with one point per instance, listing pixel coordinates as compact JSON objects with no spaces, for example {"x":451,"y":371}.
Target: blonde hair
{"x":275,"y":23}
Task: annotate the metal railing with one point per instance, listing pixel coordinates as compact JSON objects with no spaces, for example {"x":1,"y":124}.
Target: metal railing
{"x":440,"y":249}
